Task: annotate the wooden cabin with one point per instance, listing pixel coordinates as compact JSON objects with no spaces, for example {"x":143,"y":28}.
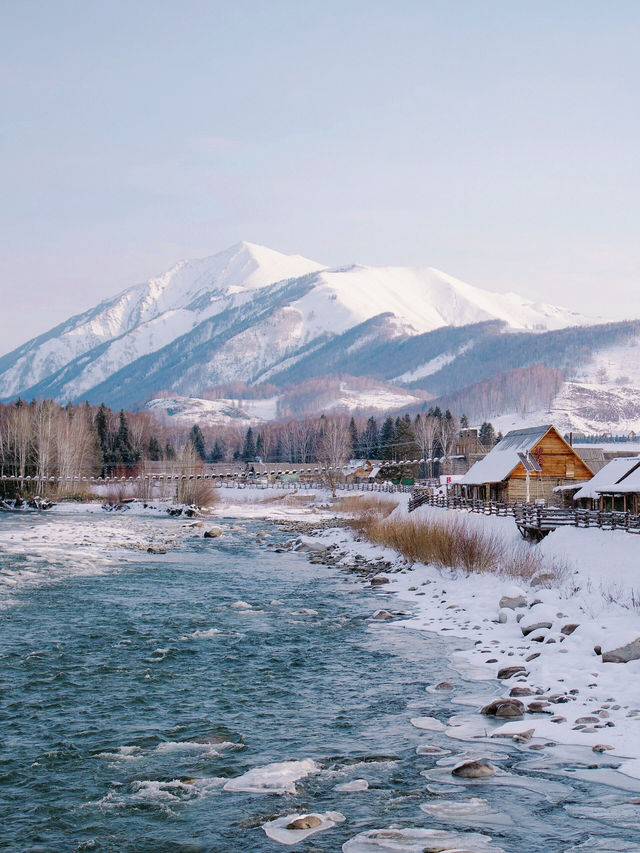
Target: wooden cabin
{"x":526,"y":465}
{"x":616,"y":487}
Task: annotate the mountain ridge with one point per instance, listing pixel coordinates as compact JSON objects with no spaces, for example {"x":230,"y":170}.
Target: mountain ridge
{"x":252,"y":314}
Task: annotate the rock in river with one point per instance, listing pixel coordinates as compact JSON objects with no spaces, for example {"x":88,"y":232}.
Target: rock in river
{"x":479,"y":769}
{"x":213,"y":533}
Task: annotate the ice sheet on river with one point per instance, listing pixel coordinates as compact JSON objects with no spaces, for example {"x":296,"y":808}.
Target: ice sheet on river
{"x":412,"y":840}
{"x":276,"y":778}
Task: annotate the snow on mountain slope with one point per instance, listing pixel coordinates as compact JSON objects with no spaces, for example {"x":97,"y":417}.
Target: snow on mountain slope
{"x":423,"y":299}
{"x":236,"y":315}
{"x":146,"y":317}
{"x":583,"y":407}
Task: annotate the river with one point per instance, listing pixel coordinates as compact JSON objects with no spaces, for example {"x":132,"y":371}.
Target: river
{"x":131,"y":693}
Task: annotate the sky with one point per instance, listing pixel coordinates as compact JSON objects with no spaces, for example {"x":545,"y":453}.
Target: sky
{"x":496,"y":141}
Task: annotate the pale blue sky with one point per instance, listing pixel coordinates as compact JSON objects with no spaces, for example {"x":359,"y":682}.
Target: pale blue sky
{"x":497,"y":141}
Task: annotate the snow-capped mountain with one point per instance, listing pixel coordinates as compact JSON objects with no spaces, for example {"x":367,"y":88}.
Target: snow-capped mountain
{"x":253,"y":314}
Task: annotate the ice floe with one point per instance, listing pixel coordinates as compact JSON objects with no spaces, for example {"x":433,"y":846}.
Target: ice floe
{"x":278,"y":778}
{"x":294,"y":828}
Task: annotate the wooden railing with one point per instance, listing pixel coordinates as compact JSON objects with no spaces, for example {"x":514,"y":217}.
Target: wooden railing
{"x":532,"y":520}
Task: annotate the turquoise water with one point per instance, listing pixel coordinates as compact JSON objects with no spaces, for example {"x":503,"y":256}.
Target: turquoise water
{"x":123,"y":712}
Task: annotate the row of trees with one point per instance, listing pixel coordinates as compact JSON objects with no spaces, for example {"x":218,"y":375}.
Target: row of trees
{"x":42,"y":440}
{"x":429,"y":435}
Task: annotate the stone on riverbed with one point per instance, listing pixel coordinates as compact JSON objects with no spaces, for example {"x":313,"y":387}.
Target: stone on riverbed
{"x":623,"y":654}
{"x":213,"y":533}
{"x":382,"y":614}
{"x":478,"y":769}
{"x":601,"y":747}
{"x":504,"y":708}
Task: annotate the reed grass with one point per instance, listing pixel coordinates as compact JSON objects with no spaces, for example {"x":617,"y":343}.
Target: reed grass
{"x":453,"y":544}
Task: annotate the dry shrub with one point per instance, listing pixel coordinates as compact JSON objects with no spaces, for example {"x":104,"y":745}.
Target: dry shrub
{"x":200,"y":493}
{"x":291,"y":498}
{"x":360,"y":504}
{"x":456,"y":545}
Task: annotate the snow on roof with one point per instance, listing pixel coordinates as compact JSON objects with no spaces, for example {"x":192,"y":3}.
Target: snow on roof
{"x":628,"y":483}
{"x":607,"y":478}
{"x":500,"y":462}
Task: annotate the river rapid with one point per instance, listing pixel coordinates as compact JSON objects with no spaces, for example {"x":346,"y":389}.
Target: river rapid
{"x":135,"y":686}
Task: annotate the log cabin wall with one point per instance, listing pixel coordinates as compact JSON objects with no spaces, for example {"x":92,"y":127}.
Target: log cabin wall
{"x":560,"y":465}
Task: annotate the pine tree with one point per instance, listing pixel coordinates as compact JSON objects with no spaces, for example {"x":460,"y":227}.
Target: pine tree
{"x":464,"y":422}
{"x":387,"y":435}
{"x":218,"y":452}
{"x":369,"y":440}
{"x":169,"y":451}
{"x":249,"y":449}
{"x":260,"y":446}
{"x":123,"y":453}
{"x":487,"y":435}
{"x":154,"y":450}
{"x":353,"y":433}
{"x":197,"y":439}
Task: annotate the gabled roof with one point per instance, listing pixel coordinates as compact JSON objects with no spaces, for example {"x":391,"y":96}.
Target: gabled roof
{"x":611,"y":477}
{"x":500,"y":462}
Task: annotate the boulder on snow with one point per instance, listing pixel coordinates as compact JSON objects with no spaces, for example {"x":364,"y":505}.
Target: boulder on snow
{"x":510,"y":671}
{"x":504,"y":708}
{"x":623,"y":654}
{"x":512,"y":601}
{"x":567,"y":630}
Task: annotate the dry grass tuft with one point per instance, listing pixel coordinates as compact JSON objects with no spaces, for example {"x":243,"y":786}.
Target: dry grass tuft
{"x":359,"y":505}
{"x":198,"y":493}
{"x":453,"y":544}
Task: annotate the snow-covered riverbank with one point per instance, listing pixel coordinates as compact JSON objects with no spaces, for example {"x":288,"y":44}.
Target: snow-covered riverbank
{"x":554,"y":635}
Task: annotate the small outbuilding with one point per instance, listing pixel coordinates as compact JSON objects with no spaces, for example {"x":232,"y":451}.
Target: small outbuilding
{"x":616,"y":487}
{"x":526,"y":465}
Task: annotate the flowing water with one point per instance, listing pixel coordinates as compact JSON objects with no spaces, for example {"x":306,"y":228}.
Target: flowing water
{"x":130,"y":696}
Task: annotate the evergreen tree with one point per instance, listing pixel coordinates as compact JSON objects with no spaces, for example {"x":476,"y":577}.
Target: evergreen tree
{"x":218,"y":452}
{"x":487,"y":435}
{"x":387,"y":435}
{"x":464,"y":422}
{"x":260,"y":446}
{"x":405,"y":439}
{"x":154,"y":450}
{"x":369,"y":440}
{"x":249,"y":448}
{"x":169,"y":451}
{"x":197,"y":439}
{"x":353,"y":434}
{"x":123,"y":453}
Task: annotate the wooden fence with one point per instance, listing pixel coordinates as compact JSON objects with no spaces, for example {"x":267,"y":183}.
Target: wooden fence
{"x":533,"y":521}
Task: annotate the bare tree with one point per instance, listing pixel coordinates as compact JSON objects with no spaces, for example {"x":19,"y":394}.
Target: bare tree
{"x":448,"y":430}
{"x":334,"y":450}
{"x":426,"y":429}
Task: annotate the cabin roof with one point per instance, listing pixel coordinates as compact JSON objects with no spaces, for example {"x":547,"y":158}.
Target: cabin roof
{"x":503,"y":458}
{"x":611,"y":478}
